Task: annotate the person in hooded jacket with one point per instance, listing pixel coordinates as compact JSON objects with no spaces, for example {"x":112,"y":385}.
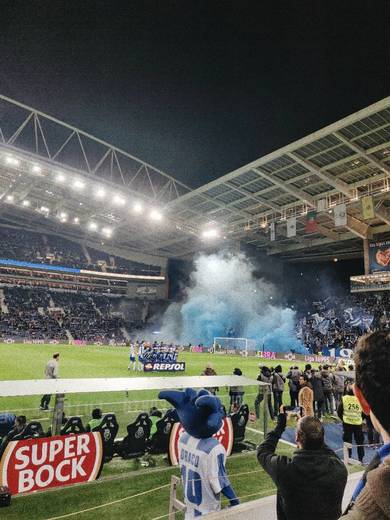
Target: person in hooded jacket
{"x":318,"y":393}
{"x":313,"y":472}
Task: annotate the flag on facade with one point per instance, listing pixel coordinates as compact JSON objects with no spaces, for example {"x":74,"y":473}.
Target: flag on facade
{"x":291,"y":227}
{"x":368,"y":207}
{"x":272,"y":229}
{"x":311,"y":222}
{"x":321,"y":205}
{"x":340,"y":215}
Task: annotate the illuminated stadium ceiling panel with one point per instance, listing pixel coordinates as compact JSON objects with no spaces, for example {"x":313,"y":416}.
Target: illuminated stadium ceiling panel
{"x":58,"y":179}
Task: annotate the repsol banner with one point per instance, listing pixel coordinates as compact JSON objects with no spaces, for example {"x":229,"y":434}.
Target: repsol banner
{"x":39,"y":464}
{"x":178,"y":366}
{"x":224,"y":436}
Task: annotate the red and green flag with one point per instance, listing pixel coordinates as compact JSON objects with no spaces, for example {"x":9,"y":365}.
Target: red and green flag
{"x":311,"y":222}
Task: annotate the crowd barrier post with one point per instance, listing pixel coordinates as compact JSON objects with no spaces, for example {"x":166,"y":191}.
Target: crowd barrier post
{"x":266,"y":391}
{"x":57,"y":414}
{"x":175,"y":505}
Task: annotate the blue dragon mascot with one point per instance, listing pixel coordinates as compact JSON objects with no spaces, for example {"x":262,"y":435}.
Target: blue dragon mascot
{"x":201,"y":457}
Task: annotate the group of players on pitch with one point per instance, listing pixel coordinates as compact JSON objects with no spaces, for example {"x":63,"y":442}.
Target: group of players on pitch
{"x":142,"y":352}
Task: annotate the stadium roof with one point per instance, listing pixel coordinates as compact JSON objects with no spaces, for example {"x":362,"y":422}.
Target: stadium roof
{"x":59,"y":179}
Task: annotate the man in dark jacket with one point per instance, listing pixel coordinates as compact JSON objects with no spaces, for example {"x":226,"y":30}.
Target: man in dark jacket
{"x":313,"y":473}
{"x":371,"y":498}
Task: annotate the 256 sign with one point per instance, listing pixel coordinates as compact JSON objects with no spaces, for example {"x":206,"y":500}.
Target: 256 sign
{"x":38,"y":464}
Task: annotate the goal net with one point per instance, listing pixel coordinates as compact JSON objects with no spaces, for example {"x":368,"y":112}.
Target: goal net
{"x":234,"y":345}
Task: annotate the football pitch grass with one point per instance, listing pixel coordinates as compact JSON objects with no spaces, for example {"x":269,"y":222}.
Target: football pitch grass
{"x":121,"y":479}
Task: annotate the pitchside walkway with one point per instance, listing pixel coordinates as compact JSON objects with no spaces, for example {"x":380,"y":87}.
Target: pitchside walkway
{"x":265,"y":508}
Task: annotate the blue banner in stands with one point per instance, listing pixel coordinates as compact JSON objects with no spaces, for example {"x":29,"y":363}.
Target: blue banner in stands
{"x":30,"y":265}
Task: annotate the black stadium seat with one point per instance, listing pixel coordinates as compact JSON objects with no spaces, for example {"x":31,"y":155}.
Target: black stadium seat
{"x":7,"y":421}
{"x":31,"y":431}
{"x":239,"y":421}
{"x":160,"y":440}
{"x":135,"y":442}
{"x":73,"y":425}
{"x":108,"y":429}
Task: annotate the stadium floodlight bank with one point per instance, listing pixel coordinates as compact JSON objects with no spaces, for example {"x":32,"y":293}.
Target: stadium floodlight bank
{"x":234,"y":345}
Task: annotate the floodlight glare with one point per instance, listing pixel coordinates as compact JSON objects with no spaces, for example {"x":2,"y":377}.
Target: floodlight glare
{"x":155,"y":215}
{"x":118,"y":200}
{"x":26,"y":203}
{"x":210,"y":233}
{"x":107,"y":231}
{"x":76,"y":220}
{"x":12,"y":161}
{"x":78,"y":185}
{"x":63,"y":215}
{"x":45,"y":209}
{"x":10,"y":198}
{"x":60,"y":177}
{"x":100,"y":193}
{"x":137,"y":208}
{"x":92,"y":226}
{"x":36,"y":168}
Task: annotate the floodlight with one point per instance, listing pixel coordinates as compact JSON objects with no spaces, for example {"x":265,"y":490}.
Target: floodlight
{"x":10,"y":198}
{"x":26,"y":203}
{"x":155,"y":215}
{"x":12,"y":161}
{"x":210,"y":233}
{"x":92,"y":226}
{"x":100,"y":193}
{"x":78,"y":185}
{"x":137,"y":208}
{"x":118,"y":200}
{"x":76,"y":220}
{"x":60,"y":177}
{"x":44,"y":209}
{"x":107,"y":231}
{"x":63,"y":215}
{"x":36,"y":168}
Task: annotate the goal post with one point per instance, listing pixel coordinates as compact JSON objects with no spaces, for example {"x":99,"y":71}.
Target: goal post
{"x":239,"y":345}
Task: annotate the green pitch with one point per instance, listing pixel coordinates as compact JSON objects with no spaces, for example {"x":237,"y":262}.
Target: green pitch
{"x":121,"y":479}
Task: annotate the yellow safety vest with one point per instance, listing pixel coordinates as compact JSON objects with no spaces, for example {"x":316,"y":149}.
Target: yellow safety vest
{"x":352,"y":411}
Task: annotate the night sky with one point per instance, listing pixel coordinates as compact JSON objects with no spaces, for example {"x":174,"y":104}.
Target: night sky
{"x":197,"y":88}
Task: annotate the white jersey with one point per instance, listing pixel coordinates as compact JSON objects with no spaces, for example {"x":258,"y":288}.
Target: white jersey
{"x":132,"y":352}
{"x":202,"y":464}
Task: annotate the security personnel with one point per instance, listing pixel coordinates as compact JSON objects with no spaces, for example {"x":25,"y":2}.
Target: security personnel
{"x":350,"y":412}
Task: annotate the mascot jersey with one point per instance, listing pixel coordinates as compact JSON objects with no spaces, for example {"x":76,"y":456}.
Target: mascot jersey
{"x":202,"y":464}
{"x":201,"y":457}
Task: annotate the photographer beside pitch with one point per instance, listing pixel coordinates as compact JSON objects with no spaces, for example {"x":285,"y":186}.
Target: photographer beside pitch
{"x":371,"y":498}
{"x":312,"y":475}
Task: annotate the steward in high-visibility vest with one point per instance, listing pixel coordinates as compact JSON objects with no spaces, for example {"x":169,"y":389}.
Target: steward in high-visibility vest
{"x":352,"y":411}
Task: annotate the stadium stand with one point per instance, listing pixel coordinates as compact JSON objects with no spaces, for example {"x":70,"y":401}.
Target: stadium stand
{"x":41,"y":314}
{"x":28,"y":246}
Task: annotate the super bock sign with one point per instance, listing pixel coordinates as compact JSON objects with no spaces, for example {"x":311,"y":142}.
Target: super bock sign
{"x":39,"y":464}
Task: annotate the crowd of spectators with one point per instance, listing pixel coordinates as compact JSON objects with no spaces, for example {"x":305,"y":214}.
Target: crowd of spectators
{"x":40,"y":314}
{"x":339,"y":322}
{"x":33,"y":247}
{"x":27,"y":316}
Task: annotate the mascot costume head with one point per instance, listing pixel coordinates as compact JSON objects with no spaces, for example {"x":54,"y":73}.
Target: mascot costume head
{"x":202,"y":457}
{"x":200,"y":413}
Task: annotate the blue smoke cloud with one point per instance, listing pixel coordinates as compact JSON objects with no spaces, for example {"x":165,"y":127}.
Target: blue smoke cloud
{"x":224,"y":295}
